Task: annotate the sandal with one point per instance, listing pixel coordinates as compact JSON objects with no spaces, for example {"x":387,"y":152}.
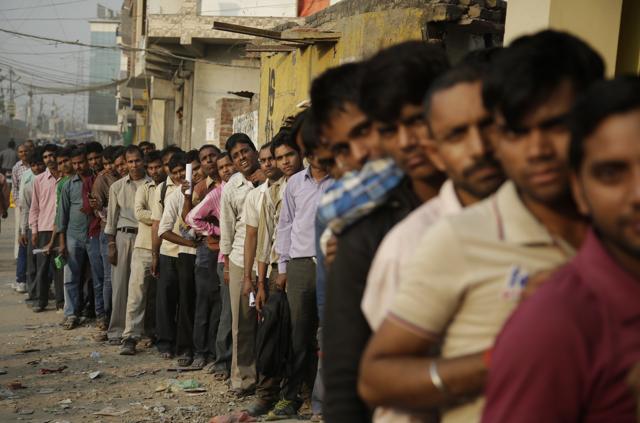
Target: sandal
{"x":166,"y":355}
{"x":184,"y":361}
{"x":199,"y":362}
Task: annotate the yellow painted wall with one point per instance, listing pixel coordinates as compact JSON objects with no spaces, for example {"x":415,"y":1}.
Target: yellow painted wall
{"x":285,"y":78}
{"x":595,"y":21}
{"x":629,"y":43}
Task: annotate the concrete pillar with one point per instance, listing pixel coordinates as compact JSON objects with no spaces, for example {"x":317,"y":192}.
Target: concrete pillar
{"x":595,"y":21}
{"x":156,"y":120}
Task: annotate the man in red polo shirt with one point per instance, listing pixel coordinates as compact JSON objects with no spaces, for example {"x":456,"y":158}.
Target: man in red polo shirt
{"x":565,"y":354}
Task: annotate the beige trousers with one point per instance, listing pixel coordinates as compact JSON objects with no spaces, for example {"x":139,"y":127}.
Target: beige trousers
{"x":137,"y":298}
{"x":243,"y":332}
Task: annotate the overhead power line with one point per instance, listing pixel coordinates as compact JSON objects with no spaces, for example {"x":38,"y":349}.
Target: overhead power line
{"x":40,"y":6}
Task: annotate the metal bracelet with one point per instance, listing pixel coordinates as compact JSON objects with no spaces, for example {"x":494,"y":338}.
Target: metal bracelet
{"x":435,"y":377}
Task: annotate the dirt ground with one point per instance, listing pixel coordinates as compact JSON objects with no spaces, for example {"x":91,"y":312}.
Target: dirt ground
{"x":133,"y":388}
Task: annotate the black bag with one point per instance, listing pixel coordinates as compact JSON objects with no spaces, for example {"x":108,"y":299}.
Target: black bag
{"x":273,"y":339}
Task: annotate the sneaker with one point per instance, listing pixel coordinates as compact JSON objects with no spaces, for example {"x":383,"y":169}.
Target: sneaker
{"x":128,"y":347}
{"x":21,"y":287}
{"x":284,"y":409}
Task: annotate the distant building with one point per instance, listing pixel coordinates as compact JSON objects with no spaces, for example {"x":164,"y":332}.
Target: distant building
{"x":104,"y":68}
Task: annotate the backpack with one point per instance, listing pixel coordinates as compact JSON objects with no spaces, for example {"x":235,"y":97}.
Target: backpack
{"x":273,"y":338}
{"x":163,"y":193}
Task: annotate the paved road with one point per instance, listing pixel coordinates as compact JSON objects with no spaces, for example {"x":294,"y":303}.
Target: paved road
{"x":130,"y":385}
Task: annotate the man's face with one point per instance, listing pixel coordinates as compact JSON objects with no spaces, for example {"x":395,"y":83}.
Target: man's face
{"x":95,"y":161}
{"x":208,"y":158}
{"x":155,"y":172}
{"x":80,"y":165}
{"x":196,"y":172}
{"x":226,"y":169}
{"x":459,"y":145}
{"x":165,"y":163}
{"x":245,"y":158}
{"x":287,"y":160}
{"x":120,"y":165}
{"x":607,"y":186}
{"x":178,"y":174}
{"x":351,"y":138}
{"x":534,"y":154}
{"x":134,"y":164}
{"x":22,"y":152}
{"x":107,"y":165}
{"x":38,"y":168}
{"x":268,"y":164}
{"x":146,"y":149}
{"x":29,"y":145}
{"x":64,"y":165}
{"x":404,"y":140}
{"x":49,"y":158}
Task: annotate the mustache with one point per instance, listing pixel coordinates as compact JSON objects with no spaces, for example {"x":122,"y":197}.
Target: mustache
{"x":487,"y":161}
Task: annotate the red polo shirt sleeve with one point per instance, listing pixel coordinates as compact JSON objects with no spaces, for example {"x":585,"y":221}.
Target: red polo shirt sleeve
{"x":540,"y":364}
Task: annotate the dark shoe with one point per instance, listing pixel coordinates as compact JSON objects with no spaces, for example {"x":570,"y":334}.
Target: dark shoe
{"x":284,"y":409}
{"x":128,"y":347}
{"x":39,"y":309}
{"x":184,"y":361}
{"x":258,"y":408}
{"x":101,"y":336}
{"x":70,"y":322}
{"x":101,"y":323}
{"x":60,"y":306}
{"x":115,"y":341}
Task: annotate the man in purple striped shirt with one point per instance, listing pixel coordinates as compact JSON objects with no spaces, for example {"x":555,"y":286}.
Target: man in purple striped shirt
{"x":295,"y":244}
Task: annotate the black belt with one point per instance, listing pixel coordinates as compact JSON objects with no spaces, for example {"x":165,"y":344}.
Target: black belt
{"x":128,"y":230}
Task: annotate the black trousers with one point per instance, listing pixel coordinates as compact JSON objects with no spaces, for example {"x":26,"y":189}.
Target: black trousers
{"x":208,"y":307}
{"x":45,"y":271}
{"x":301,"y":293}
{"x":32,"y":270}
{"x":186,"y":303}
{"x":166,"y":303}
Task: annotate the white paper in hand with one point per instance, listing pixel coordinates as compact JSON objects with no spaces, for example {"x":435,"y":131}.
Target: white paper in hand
{"x":189,"y":171}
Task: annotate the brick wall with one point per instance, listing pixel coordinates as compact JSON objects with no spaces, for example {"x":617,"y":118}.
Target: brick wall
{"x":224,"y":111}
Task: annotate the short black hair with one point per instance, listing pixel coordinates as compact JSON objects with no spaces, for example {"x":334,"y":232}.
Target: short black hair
{"x":172,"y":149}
{"x":147,"y":144}
{"x":531,"y":69}
{"x":222,"y":155}
{"x":133,"y":149}
{"x":50,"y":147}
{"x":399,"y":75}
{"x":77,"y":152}
{"x":35,"y":156}
{"x":602,"y":100}
{"x":204,"y":147}
{"x":178,"y":159}
{"x":238,"y":138}
{"x":12,"y":143}
{"x":310,"y":134}
{"x":64,"y":152}
{"x":472,"y":68}
{"x":332,"y":89}
{"x":193,"y":156}
{"x":118,"y":151}
{"x":94,"y":147}
{"x":266,"y":146}
{"x":152,"y":156}
{"x":284,"y":137}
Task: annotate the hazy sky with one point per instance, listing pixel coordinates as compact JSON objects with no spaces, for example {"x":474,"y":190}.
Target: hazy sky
{"x":46,"y":63}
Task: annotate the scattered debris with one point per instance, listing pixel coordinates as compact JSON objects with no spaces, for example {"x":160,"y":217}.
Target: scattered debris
{"x":65,"y":401}
{"x":34,"y":362}
{"x":15,"y":385}
{"x":136,"y":374}
{"x":3,"y":372}
{"x":238,"y":416}
{"x":95,"y":375}
{"x":49,"y":371}
{"x":27,"y":350}
{"x":187,"y":385}
{"x":46,"y":391}
{"x":25,"y":411}
{"x":159,"y":409}
{"x":111,"y":411}
{"x":95,"y":355}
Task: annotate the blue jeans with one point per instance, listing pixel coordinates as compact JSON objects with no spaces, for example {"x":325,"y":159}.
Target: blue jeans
{"x":21,"y":267}
{"x":97,"y":273}
{"x":76,"y":250}
{"x":106,"y":290}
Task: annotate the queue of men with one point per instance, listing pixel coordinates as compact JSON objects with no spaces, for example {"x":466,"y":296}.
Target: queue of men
{"x":427,"y":242}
